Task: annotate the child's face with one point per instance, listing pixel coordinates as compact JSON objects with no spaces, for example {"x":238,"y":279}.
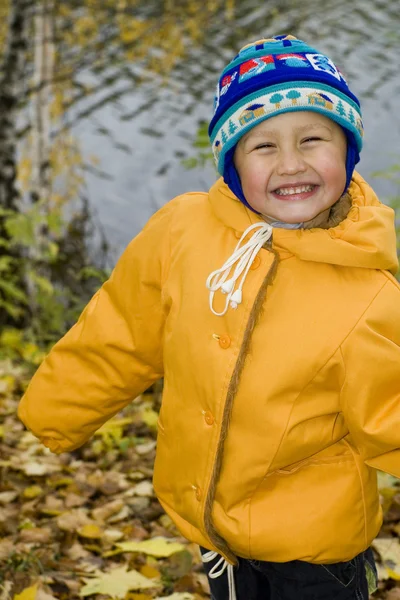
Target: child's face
{"x":292,"y":166}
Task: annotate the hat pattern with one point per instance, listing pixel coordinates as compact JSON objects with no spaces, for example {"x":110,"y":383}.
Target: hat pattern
{"x":279,"y":75}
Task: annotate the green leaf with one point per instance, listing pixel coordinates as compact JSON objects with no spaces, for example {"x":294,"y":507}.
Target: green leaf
{"x":13,"y":292}
{"x":43,"y":284}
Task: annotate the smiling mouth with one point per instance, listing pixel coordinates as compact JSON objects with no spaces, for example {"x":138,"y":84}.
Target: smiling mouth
{"x":291,"y":191}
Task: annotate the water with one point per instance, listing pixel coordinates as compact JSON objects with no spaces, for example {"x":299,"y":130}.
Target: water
{"x":141,"y":138}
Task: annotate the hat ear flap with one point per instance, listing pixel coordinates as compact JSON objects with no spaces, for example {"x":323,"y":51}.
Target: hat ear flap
{"x":352,"y":157}
{"x":232,"y":179}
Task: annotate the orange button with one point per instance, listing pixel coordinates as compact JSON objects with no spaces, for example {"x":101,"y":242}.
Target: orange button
{"x":209,"y":419}
{"x":256,"y":263}
{"x":238,"y":234}
{"x":224,"y":341}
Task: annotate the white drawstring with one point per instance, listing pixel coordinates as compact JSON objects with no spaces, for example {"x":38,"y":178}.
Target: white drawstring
{"x":244,"y":257}
{"x":213,"y":574}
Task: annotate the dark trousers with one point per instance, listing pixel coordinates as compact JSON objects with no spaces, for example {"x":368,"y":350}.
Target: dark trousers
{"x":298,"y":580}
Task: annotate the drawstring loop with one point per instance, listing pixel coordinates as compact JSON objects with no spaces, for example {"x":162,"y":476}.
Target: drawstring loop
{"x":244,"y":256}
{"x":213,"y":574}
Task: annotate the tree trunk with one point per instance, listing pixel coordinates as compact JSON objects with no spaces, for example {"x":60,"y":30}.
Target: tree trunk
{"x":12,"y":71}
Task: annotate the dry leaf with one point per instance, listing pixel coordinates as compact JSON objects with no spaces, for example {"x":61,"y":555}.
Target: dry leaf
{"x":32,"y":491}
{"x":145,"y":448}
{"x":102,"y":513}
{"x":123,"y":514}
{"x":35,"y":535}
{"x":144,"y":488}
{"x":115,"y":583}
{"x":6,"y":548}
{"x":74,"y":500}
{"x":42,"y":595}
{"x":5,"y":590}
{"x":177,"y":596}
{"x":389,"y":551}
{"x":159,"y":547}
{"x":73,"y":520}
{"x":36,"y":469}
{"x":113,"y":535}
{"x":7,"y":497}
{"x":76,"y":552}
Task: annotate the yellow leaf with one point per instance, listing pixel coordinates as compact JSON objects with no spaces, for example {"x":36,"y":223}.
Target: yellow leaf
{"x":32,"y":491}
{"x":177,"y":596}
{"x":27,"y":593}
{"x":150,"y":417}
{"x":150,"y":572}
{"x":116,"y":583}
{"x":91,"y":531}
{"x":7,"y":384}
{"x":159,"y":546}
{"x":109,"y":426}
{"x":389,"y":551}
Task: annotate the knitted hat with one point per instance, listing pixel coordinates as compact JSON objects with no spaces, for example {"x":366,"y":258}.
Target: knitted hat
{"x":273,"y":76}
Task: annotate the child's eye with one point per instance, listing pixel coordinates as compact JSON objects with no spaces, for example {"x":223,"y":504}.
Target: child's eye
{"x":266,"y":145}
{"x":312,"y":139}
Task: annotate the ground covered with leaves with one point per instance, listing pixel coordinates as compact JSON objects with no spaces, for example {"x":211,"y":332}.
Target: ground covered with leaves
{"x":87,"y":523}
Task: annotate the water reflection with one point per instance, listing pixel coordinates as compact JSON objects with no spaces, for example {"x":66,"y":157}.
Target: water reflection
{"x":147,"y":99}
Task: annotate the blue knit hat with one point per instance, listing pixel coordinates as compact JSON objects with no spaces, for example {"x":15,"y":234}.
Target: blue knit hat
{"x":273,"y":76}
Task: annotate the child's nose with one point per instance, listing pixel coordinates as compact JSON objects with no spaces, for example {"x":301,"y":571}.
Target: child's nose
{"x":290,"y":162}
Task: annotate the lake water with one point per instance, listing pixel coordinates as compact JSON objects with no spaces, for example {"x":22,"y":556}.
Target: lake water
{"x":141,"y":138}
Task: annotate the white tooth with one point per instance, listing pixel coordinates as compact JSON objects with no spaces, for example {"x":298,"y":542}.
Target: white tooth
{"x":297,"y":190}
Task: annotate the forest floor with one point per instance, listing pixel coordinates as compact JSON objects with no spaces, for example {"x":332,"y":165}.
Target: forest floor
{"x":87,"y":523}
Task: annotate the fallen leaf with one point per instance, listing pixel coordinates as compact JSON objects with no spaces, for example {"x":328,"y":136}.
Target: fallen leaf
{"x":5,"y":590}
{"x":150,"y":417}
{"x":144,"y":488}
{"x":159,"y":547}
{"x":6,"y":548}
{"x":179,"y":565}
{"x":145,"y":448}
{"x":73,"y":520}
{"x":32,"y":491}
{"x":42,"y":595}
{"x":76,"y":552}
{"x":113,"y":424}
{"x":35,"y":535}
{"x":389,"y":551}
{"x":115,"y":583}
{"x":123,"y":514}
{"x":113,"y":535}
{"x":28,"y":593}
{"x":102,"y":513}
{"x":91,"y":531}
{"x":150,"y":572}
{"x":36,"y":469}
{"x":7,"y":497}
{"x":74,"y":500}
{"x":385,"y":480}
{"x":177,"y":596}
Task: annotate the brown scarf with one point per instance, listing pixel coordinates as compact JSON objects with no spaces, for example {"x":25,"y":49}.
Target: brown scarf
{"x":336,"y":215}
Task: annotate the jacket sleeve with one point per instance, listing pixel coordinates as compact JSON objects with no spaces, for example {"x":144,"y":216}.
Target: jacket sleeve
{"x":113,"y":352}
{"x":371,"y":391}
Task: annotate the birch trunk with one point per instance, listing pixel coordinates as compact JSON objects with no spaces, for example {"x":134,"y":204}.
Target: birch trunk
{"x":11,"y":78}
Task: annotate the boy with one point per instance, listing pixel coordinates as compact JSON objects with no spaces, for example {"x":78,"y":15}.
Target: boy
{"x":281,"y":390}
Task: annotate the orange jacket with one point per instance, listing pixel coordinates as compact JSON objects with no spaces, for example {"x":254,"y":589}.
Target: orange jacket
{"x":288,"y":470}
